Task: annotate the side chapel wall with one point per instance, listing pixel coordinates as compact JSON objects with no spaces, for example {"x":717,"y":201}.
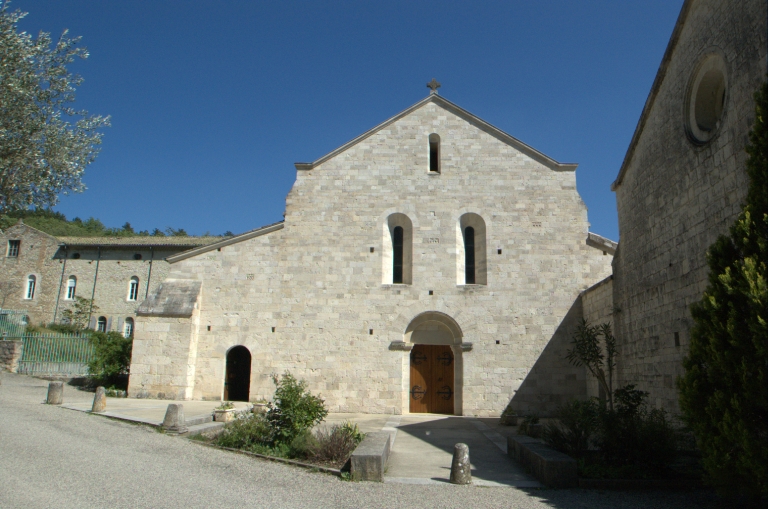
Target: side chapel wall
{"x":677,"y":196}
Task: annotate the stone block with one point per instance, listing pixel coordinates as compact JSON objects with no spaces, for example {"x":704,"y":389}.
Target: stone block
{"x":461,"y":469}
{"x":55,"y":393}
{"x":99,"y":401}
{"x":550,"y":467}
{"x":369,"y":460}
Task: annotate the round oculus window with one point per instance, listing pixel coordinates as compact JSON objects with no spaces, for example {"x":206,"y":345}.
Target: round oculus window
{"x":706,"y":99}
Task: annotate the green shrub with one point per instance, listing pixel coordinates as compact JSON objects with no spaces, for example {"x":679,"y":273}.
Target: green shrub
{"x":336,"y":444}
{"x":635,"y":435}
{"x":572,"y":433}
{"x":294,"y":409}
{"x":304,"y":446}
{"x":525,"y":426}
{"x":246,"y":432}
{"x":629,"y":441}
{"x":724,"y":390}
{"x":111,"y":357}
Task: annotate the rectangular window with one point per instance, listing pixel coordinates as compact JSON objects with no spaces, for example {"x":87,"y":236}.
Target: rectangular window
{"x":13,"y":248}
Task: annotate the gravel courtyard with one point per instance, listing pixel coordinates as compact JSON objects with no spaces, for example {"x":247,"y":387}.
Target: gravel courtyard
{"x":54,"y":457}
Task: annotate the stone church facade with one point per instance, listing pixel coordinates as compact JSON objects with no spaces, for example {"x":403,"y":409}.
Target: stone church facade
{"x":682,"y":184}
{"x":434,"y":263}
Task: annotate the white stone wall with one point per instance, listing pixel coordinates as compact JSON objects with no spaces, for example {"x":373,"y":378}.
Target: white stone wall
{"x":319,"y":285}
{"x":676,"y":197}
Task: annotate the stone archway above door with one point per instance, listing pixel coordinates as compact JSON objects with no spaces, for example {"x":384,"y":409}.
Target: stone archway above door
{"x":433,"y":369}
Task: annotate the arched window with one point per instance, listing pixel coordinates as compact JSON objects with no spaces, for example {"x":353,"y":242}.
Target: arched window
{"x":133,"y":288}
{"x":101,"y":324}
{"x":31,"y":284}
{"x":434,"y":153}
{"x":471,"y":262}
{"x":71,"y":287}
{"x":469,"y":255}
{"x":128,"y":327}
{"x":397,"y":250}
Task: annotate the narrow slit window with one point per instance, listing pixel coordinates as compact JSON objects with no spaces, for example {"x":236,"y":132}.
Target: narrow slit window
{"x":133,"y":289}
{"x":469,"y":255}
{"x":397,"y":255}
{"x":434,"y":153}
{"x":71,"y":287}
{"x":31,"y":284}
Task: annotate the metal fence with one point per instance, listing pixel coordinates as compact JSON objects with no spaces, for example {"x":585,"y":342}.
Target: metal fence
{"x":13,"y":323}
{"x":46,"y":354}
{"x":55,"y":354}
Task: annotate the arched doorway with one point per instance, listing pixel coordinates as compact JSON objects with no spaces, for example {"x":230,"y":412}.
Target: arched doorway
{"x":237,"y":381}
{"x":434,"y":365}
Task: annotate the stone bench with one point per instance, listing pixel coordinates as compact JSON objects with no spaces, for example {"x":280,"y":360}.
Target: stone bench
{"x":549,"y":466}
{"x":369,"y":460}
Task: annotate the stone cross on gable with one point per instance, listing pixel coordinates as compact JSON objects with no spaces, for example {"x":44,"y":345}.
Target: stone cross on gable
{"x":433,"y":86}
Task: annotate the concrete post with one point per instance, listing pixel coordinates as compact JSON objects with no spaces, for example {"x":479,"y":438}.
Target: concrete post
{"x":174,"y":419}
{"x":461,"y":471}
{"x":55,"y":393}
{"x":99,"y":400}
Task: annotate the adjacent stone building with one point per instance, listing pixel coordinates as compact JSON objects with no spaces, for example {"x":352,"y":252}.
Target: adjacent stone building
{"x":434,"y":263}
{"x":682,"y":183}
{"x":41,"y":274}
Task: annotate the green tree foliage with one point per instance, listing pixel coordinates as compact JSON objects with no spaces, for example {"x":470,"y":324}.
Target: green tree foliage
{"x":45,"y":144}
{"x":588,"y":351}
{"x":76,"y":317}
{"x":294,"y":410}
{"x":724,"y":390}
{"x":111,"y":357}
{"x":56,"y":224}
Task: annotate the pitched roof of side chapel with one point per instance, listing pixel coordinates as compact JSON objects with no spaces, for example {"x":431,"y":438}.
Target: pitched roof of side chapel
{"x":460,"y":112}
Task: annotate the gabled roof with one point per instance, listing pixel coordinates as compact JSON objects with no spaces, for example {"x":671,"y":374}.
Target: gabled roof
{"x":460,"y":112}
{"x":660,"y":74}
{"x":227,"y":241}
{"x":138,"y":241}
{"x":23,"y":224}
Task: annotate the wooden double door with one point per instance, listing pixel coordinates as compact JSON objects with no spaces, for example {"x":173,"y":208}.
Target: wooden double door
{"x":432,"y":387}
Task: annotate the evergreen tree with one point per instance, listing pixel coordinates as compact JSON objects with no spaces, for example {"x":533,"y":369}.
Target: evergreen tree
{"x":724,"y":390}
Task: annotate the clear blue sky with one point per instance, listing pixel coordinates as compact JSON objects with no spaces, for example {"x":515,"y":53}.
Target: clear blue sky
{"x":213,"y":102}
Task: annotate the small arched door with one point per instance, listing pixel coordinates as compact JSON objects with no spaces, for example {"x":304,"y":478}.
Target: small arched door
{"x":237,"y":381}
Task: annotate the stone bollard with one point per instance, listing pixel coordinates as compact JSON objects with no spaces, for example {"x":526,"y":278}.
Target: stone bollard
{"x":461,"y":471}
{"x":99,"y":401}
{"x":174,"y":419}
{"x":55,"y":393}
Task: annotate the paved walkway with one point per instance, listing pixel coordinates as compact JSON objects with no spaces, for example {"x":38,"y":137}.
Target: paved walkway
{"x":423,"y":451}
{"x":147,"y":411}
{"x":54,"y":457}
{"x":422,"y":443}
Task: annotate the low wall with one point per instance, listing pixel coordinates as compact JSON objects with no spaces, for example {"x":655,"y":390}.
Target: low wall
{"x":551,"y":468}
{"x":10,"y":353}
{"x":369,"y":460}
